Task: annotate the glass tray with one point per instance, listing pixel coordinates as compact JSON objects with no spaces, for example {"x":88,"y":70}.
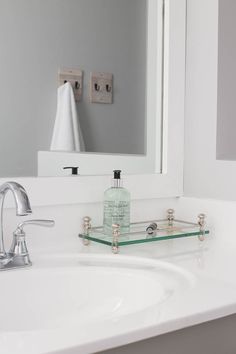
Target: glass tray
{"x":166,"y":230}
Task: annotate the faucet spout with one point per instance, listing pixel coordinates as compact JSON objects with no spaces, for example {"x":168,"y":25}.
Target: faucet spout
{"x":22,"y":208}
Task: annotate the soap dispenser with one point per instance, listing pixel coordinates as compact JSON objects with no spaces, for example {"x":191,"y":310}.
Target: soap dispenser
{"x":116,"y":206}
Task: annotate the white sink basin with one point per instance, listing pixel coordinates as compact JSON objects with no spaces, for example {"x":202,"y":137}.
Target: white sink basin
{"x":68,"y":293}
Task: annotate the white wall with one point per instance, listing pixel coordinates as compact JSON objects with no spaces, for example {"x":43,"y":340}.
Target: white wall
{"x":204,"y":176}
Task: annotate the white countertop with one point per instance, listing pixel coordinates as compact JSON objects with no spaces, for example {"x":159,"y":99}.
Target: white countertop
{"x":213,"y":295}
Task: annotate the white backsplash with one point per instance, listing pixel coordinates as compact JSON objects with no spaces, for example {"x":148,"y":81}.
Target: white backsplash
{"x":68,"y":223}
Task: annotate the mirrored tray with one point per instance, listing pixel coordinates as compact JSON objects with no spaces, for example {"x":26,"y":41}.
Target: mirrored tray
{"x":144,"y":231}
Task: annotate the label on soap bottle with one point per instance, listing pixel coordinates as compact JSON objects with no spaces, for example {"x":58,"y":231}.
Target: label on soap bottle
{"x":116,"y":213}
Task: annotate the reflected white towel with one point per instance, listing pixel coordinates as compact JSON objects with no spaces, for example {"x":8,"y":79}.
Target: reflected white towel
{"x":67,"y":135}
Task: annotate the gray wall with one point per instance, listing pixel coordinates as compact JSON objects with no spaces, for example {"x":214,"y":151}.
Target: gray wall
{"x":226,"y":122}
{"x":36,"y":38}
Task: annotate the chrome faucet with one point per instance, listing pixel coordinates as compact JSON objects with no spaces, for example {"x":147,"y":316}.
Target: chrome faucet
{"x":22,"y":208}
{"x":18,"y":255}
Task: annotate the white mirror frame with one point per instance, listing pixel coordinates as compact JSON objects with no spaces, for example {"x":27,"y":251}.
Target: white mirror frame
{"x":51,"y":163}
{"x":168,"y":183}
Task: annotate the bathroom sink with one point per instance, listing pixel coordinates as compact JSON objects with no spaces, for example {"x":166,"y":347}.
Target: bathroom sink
{"x":75,"y":292}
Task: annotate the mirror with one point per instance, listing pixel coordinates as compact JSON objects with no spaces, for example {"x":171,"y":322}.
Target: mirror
{"x":226,"y":122}
{"x":38,"y":38}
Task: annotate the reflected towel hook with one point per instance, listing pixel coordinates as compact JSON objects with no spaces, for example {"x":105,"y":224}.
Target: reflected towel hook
{"x":108,"y":88}
{"x":77,"y":85}
{"x":97,"y":87}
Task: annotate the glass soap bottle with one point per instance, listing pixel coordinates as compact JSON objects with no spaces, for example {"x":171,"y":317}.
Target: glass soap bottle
{"x":116,"y":206}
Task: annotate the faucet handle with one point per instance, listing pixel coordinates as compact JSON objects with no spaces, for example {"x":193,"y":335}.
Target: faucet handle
{"x":18,"y":248}
{"x":39,"y":222}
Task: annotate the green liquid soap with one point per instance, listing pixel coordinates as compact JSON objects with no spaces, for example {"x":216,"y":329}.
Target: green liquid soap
{"x":116,"y":206}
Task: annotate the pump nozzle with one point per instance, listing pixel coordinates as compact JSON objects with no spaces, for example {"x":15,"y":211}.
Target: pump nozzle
{"x":117,"y":174}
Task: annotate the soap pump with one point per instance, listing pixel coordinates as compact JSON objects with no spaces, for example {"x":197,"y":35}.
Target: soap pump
{"x":116,"y":206}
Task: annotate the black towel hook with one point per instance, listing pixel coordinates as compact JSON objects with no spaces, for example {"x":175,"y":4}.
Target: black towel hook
{"x":97,"y":87}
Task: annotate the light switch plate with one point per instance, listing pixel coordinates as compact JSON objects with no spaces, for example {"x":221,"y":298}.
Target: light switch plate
{"x":75,"y":77}
{"x":101,"y":88}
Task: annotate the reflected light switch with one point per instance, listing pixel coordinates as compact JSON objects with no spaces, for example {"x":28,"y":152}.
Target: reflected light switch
{"x":101,"y":88}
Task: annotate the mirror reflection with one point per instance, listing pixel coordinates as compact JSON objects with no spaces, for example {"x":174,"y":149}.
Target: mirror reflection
{"x":104,"y":43}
